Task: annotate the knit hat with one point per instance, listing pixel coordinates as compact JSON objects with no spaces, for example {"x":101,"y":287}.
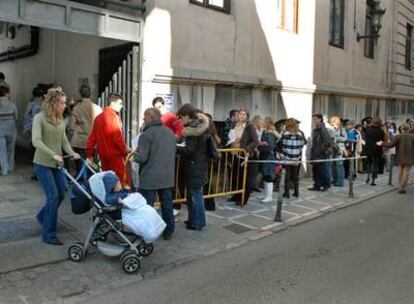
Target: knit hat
{"x":110,"y":180}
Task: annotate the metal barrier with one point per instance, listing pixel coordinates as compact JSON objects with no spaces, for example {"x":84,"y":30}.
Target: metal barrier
{"x":227,"y":176}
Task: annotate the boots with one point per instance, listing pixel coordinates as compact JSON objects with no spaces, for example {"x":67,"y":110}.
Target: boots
{"x":296,"y":190}
{"x":268,"y":189}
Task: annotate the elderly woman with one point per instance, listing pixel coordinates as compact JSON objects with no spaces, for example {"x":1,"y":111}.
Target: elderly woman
{"x":49,"y":139}
{"x":8,"y":131}
{"x":291,"y":144}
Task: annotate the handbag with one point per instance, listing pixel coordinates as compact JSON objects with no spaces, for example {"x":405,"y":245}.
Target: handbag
{"x":80,"y":203}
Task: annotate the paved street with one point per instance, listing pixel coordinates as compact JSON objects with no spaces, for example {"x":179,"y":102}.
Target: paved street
{"x":363,"y":254}
{"x":31,"y":272}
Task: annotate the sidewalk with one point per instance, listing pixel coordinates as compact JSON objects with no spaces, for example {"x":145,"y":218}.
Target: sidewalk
{"x":22,"y":279}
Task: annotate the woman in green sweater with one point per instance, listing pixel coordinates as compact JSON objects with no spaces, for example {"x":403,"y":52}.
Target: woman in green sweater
{"x":49,"y":138}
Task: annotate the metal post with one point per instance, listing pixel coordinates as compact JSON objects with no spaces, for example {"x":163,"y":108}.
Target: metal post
{"x":246,"y":163}
{"x":278,"y":216}
{"x":351,"y":177}
{"x":391,"y":164}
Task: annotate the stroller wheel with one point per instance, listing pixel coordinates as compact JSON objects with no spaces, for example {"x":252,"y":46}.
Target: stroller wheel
{"x":130,"y":263}
{"x":76,"y":252}
{"x":145,"y":249}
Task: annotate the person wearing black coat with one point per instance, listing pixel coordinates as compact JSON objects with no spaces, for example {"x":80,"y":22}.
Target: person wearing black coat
{"x":195,"y":163}
{"x":321,"y":149}
{"x":373,"y":134}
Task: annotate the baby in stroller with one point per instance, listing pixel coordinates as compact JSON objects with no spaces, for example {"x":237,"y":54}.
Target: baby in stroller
{"x":113,"y":188}
{"x":116,"y":209}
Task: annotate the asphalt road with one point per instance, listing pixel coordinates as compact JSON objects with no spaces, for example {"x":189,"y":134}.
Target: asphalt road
{"x":363,"y":254}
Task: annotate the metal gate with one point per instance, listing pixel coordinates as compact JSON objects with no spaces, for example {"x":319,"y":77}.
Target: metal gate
{"x":125,"y":83}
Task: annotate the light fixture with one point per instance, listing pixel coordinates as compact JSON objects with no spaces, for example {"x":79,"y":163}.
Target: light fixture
{"x":376,"y":17}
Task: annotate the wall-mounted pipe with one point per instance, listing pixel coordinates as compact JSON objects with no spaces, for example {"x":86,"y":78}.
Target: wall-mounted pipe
{"x":25,"y":50}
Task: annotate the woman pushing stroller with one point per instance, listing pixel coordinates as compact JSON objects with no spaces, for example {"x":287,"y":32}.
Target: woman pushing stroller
{"x":49,"y":139}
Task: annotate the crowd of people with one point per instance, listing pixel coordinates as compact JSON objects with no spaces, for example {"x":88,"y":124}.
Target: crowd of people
{"x":91,"y":132}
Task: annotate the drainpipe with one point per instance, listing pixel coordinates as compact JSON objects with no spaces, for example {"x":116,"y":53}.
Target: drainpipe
{"x":23,"y":51}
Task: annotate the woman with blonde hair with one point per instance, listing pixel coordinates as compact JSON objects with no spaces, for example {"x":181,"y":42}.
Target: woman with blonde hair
{"x":291,"y":144}
{"x":267,"y":147}
{"x":49,"y":139}
{"x":340,"y":138}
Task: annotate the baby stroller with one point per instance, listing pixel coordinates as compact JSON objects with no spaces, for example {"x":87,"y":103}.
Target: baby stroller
{"x":106,"y":229}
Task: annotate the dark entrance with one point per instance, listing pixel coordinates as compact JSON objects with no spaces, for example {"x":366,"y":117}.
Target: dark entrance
{"x":110,"y":59}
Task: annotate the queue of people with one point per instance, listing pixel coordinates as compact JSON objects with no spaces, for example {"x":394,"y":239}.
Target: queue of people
{"x":91,"y":132}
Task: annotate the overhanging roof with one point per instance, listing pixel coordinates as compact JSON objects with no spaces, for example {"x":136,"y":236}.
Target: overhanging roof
{"x":73,"y":17}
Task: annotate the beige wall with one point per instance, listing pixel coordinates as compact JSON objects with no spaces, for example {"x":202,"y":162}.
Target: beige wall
{"x":403,"y":87}
{"x":188,"y":48}
{"x":348,"y":70}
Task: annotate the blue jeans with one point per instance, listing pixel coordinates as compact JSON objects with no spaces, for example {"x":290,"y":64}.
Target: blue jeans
{"x":53,"y":182}
{"x":7,"y":145}
{"x":321,"y":175}
{"x":165,"y":196}
{"x":195,"y":206}
{"x":338,"y":173}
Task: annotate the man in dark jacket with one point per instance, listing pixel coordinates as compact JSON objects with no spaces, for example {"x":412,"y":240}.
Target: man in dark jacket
{"x":321,"y":149}
{"x":229,"y":124}
{"x":156,"y":155}
{"x":195,"y":163}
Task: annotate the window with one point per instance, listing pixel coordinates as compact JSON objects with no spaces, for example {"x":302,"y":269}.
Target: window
{"x":219,"y":5}
{"x":408,"y":47}
{"x":336,"y":25}
{"x":369,"y":45}
{"x":287,"y":15}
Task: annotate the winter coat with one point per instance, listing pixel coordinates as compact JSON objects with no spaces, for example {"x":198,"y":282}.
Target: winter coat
{"x":267,"y":153}
{"x":373,"y":134}
{"x":228,"y":125}
{"x":321,"y":143}
{"x":249,"y":139}
{"x":107,"y":136}
{"x":404,"y":143}
{"x":82,"y":117}
{"x":156,"y":157}
{"x":194,"y":153}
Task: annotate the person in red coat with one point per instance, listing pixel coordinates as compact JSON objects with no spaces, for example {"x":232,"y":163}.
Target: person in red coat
{"x":168,"y":119}
{"x":107,"y":138}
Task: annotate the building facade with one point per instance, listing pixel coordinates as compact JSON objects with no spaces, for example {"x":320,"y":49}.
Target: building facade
{"x":278,"y":58}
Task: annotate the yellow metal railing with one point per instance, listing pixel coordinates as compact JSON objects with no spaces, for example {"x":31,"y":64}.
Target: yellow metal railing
{"x":227,"y":176}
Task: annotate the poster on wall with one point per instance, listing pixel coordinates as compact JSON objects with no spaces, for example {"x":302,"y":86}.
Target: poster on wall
{"x":169,"y":99}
